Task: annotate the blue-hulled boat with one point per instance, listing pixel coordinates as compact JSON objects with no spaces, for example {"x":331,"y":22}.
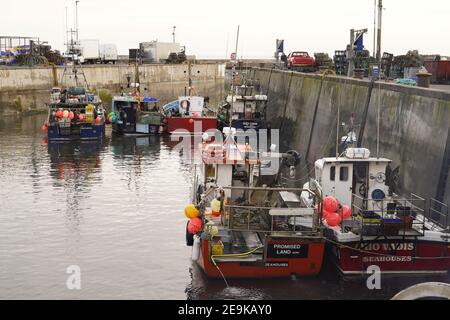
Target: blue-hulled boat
{"x":74,"y":114}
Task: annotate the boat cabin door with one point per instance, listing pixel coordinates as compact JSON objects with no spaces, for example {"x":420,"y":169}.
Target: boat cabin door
{"x":341,"y":182}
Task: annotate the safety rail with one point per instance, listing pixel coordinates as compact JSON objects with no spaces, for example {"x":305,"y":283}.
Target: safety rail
{"x":271,"y":218}
{"x":387,"y":218}
{"x":438,"y":214}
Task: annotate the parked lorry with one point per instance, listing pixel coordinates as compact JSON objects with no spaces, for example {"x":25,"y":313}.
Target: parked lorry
{"x":108,"y":53}
{"x":301,"y":61}
{"x":90,"y":51}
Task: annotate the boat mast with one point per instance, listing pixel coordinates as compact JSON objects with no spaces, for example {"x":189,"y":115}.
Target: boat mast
{"x":233,"y":77}
{"x":380,"y":18}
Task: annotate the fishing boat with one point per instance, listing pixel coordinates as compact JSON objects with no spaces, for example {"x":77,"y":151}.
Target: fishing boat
{"x":190,"y":113}
{"x":75,"y":113}
{"x":367,"y":224}
{"x":133,"y":114}
{"x":242,"y":225}
{"x":246,"y":107}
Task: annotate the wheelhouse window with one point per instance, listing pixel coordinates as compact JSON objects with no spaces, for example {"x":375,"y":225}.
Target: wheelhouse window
{"x":333,"y":173}
{"x":210,"y":171}
{"x":343,"y":174}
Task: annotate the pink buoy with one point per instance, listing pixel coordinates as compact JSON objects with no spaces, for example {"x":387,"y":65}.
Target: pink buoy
{"x":71,"y":115}
{"x":191,"y":121}
{"x":80,"y":117}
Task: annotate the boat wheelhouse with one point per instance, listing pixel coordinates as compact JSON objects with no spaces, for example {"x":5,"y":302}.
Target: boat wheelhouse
{"x":400,"y":235}
{"x":246,"y":107}
{"x":189,"y":115}
{"x":135,"y":115}
{"x":250,"y":230}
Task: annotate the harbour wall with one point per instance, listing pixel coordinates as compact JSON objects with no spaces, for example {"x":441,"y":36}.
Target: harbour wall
{"x":414,"y":124}
{"x":24,"y":89}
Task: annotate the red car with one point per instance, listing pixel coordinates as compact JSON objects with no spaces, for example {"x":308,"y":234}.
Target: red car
{"x":300,"y":60}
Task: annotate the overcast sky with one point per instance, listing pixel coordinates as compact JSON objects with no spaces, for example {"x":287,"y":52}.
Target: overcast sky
{"x":206,"y":26}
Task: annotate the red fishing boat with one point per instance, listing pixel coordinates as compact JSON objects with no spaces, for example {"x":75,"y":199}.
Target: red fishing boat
{"x":189,"y":115}
{"x":400,"y":235}
{"x":241,"y":227}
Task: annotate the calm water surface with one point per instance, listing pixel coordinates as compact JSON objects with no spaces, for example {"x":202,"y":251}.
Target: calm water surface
{"x":115,"y":209}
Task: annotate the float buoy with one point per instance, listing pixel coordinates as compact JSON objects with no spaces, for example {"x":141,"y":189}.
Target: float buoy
{"x":98,"y":120}
{"x":191,"y":211}
{"x":195,"y":225}
{"x":345,"y":212}
{"x":325,"y":214}
{"x":71,"y":115}
{"x":191,"y":121}
{"x":65,"y":114}
{"x":80,"y":117}
{"x":333,"y":219}
{"x":330,"y":204}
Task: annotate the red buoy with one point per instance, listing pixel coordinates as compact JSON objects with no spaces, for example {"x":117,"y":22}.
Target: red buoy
{"x":195,"y":225}
{"x":80,"y":117}
{"x":98,"y":120}
{"x":334,"y":219}
{"x":345,"y":212}
{"x":330,"y":204}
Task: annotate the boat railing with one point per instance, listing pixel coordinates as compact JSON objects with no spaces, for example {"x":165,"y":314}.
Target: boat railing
{"x":396,"y":217}
{"x":265,"y":216}
{"x":437,"y":215}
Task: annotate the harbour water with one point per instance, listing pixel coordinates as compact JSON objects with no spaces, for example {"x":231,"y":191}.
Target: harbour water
{"x":115,"y":209}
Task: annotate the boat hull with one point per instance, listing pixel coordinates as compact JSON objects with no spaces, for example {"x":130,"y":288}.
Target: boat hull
{"x":190,"y":125}
{"x":392,"y":257}
{"x":309,"y":264}
{"x":135,"y":129}
{"x":84,"y":133}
